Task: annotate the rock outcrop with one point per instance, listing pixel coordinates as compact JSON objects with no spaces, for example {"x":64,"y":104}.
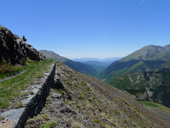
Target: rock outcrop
{"x":14,"y":49}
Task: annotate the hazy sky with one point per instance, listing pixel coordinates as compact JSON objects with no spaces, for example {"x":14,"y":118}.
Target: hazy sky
{"x":89,"y":28}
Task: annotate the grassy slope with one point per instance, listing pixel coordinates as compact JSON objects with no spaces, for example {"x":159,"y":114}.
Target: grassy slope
{"x":98,"y":103}
{"x":10,"y":89}
{"x":146,"y":66}
{"x":165,"y":67}
{"x":7,"y":70}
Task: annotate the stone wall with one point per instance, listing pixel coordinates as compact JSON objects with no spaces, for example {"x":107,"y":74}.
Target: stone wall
{"x":18,"y":117}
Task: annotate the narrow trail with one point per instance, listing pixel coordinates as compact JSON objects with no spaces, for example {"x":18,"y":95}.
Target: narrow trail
{"x":10,"y":77}
{"x":164,"y":115}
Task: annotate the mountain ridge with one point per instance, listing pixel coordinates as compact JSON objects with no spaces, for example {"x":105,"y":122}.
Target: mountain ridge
{"x":107,"y":60}
{"x":150,"y":52}
{"x":147,"y":53}
{"x":77,"y":66}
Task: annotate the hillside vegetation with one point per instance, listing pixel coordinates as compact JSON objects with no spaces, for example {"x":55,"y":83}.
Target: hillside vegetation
{"x":78,"y":100}
{"x":158,"y":83}
{"x":149,"y":58}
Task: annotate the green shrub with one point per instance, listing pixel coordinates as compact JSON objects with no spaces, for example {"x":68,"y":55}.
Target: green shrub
{"x":81,"y":96}
{"x":22,"y":61}
{"x":46,"y":117}
{"x":96,"y":120}
{"x":61,"y":92}
{"x":49,"y":125}
{"x":24,"y":39}
{"x":5,"y":67}
{"x":67,"y":102}
{"x":78,"y":106}
{"x":90,"y":99}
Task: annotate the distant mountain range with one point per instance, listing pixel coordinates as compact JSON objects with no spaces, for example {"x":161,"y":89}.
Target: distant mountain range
{"x":148,"y":67}
{"x":106,"y":60}
{"x":77,"y":66}
{"x":98,"y":64}
{"x":89,"y":66}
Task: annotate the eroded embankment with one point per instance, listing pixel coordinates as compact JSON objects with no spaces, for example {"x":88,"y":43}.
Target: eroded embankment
{"x":32,"y":104}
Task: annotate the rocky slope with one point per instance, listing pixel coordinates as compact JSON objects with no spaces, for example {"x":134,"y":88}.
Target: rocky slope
{"x":77,"y":66}
{"x":77,"y":100}
{"x":14,"y":49}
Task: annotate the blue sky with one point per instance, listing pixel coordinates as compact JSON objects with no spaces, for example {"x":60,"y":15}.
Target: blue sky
{"x":89,"y":28}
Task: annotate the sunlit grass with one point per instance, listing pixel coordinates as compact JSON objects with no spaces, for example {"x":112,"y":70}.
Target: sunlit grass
{"x":149,"y":103}
{"x":7,"y":70}
{"x":11,"y":88}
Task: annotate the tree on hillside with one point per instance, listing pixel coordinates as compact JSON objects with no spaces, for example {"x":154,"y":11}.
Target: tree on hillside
{"x":24,"y":39}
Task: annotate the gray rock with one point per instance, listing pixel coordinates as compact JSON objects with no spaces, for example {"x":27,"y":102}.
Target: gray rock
{"x":13,"y":114}
{"x":14,"y":49}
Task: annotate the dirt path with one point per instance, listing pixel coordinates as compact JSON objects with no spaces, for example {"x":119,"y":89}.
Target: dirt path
{"x":164,"y":115}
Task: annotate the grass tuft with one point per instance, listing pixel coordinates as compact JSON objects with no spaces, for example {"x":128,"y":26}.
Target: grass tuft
{"x":76,"y":125}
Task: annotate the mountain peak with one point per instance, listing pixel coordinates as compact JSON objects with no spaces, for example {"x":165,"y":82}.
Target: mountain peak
{"x":150,"y":52}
